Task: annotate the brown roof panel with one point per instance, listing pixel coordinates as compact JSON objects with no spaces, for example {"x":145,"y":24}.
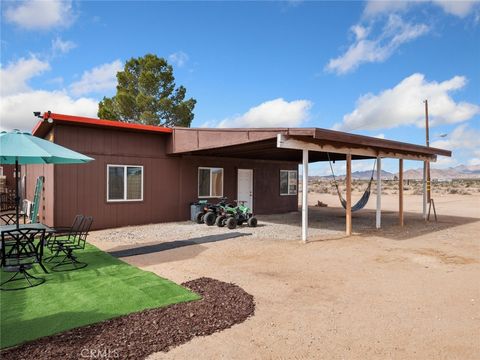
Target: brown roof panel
{"x":261,"y":143}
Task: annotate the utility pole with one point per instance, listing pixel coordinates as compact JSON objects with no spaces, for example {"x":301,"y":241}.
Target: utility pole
{"x":427,"y":140}
{"x":426,"y":173}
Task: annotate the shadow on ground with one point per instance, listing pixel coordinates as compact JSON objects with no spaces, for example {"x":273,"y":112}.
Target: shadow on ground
{"x":333,"y":219}
{"x":156,"y":248}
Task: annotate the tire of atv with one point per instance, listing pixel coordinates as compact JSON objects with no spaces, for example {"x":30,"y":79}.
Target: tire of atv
{"x":209,"y":218}
{"x":220,"y":221}
{"x":231,"y":223}
{"x":252,"y":222}
{"x":199,"y":218}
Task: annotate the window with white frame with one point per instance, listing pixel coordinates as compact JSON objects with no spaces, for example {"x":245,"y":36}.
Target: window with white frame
{"x":124,"y":183}
{"x":210,"y":182}
{"x":288,"y":182}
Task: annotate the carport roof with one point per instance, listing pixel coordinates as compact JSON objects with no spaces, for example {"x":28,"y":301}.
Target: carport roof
{"x":284,"y":144}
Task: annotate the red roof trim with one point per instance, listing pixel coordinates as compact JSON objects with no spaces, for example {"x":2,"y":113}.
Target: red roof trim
{"x":79,"y":120}
{"x":37,"y":127}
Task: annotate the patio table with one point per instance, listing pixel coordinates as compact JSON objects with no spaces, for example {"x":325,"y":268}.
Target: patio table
{"x":39,"y":226}
{"x":48,"y":232}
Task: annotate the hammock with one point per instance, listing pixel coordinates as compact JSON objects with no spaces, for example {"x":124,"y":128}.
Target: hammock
{"x":360,"y":204}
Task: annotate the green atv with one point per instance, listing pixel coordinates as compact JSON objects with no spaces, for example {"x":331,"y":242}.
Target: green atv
{"x":232,"y":215}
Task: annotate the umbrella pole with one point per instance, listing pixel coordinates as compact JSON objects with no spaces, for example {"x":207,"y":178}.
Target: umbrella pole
{"x":17,"y":195}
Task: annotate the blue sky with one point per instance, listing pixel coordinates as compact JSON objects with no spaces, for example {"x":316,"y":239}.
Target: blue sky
{"x":362,"y":67}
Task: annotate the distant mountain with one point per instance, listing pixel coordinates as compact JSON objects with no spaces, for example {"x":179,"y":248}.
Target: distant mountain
{"x":470,"y":169}
{"x":359,"y":175}
{"x":457,"y":172}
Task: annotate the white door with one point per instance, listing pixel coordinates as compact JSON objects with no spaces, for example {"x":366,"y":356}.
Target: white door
{"x":245,"y":187}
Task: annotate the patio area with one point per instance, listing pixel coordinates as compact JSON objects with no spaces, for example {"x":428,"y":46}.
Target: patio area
{"x":105,"y":289}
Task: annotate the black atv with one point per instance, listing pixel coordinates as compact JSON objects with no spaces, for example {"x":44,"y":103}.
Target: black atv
{"x":199,"y":216}
{"x":210,"y":212}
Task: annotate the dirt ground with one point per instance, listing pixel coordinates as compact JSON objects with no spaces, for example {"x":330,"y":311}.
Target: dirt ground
{"x":395,"y":293}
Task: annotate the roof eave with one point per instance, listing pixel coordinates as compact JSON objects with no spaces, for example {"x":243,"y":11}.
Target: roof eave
{"x":49,"y":119}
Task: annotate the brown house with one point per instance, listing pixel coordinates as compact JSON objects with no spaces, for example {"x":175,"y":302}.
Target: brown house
{"x":159,"y":184}
{"x":147,"y":174}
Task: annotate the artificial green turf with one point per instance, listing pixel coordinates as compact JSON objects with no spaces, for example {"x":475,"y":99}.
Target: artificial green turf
{"x":105,"y":289}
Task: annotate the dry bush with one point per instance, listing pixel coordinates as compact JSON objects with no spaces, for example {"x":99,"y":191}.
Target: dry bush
{"x":418,"y":191}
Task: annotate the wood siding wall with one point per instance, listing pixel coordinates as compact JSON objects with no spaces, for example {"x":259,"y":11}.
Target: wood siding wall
{"x":46,"y":209}
{"x":170,"y":182}
{"x":9,"y":173}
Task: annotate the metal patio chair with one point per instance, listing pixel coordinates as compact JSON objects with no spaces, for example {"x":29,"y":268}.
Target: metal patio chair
{"x":7,"y":219}
{"x":19,"y":254}
{"x":66,"y":249}
{"x":64,"y":235}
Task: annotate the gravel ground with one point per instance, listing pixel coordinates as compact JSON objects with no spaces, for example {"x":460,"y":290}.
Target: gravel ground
{"x":324,"y":223}
{"x":138,"y":335}
{"x":272,"y":227}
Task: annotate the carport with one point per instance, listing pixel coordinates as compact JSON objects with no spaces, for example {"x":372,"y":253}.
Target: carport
{"x":304,"y":146}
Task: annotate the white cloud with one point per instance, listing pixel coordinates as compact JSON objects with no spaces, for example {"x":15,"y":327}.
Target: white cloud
{"x":458,"y":8}
{"x":402,"y":105}
{"x":60,"y":46}
{"x":40,"y":14}
{"x":444,"y":162}
{"x":464,"y":143}
{"x":364,"y":50}
{"x":14,"y":77}
{"x":476,"y":159}
{"x":16,"y":111}
{"x":273,"y":113}
{"x":18,"y":100}
{"x":98,"y":80}
{"x":376,"y":7}
{"x":380,"y":136}
{"x":360,"y":31}
{"x":178,"y":58}
{"x":461,"y":137}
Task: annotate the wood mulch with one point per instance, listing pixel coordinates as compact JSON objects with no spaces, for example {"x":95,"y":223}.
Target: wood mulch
{"x":135,"y":336}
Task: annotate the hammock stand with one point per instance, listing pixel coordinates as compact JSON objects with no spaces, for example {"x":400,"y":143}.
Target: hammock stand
{"x":360,"y":204}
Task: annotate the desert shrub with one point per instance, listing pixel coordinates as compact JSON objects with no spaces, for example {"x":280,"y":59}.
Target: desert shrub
{"x":418,"y":191}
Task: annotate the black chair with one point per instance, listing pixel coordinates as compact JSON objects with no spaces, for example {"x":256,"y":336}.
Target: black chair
{"x":7,"y":200}
{"x":19,"y":254}
{"x":67,"y":249}
{"x":8,"y":219}
{"x":64,"y":235}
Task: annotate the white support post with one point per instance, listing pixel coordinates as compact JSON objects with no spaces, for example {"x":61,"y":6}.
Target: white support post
{"x":305,"y":196}
{"x":400,"y":192}
{"x":378,"y":221}
{"x":348,"y":209}
{"x":425,"y":190}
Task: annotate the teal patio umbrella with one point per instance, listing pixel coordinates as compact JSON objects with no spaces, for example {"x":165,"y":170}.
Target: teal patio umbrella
{"x":18,"y":147}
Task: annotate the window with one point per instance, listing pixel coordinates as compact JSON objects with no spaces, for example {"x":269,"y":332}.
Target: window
{"x":124,"y":183}
{"x":288,"y":182}
{"x":210,"y":182}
